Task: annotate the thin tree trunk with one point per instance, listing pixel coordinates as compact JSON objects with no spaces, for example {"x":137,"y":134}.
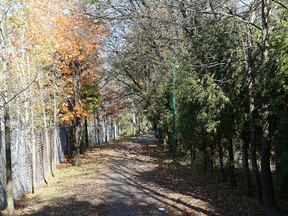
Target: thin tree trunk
{"x":245,"y":167}
{"x":134,"y":124}
{"x":55,"y":121}
{"x":76,"y":67}
{"x":232,"y":178}
{"x":205,"y":153}
{"x":7,"y":122}
{"x":250,"y":93}
{"x":192,"y":153}
{"x":32,"y":132}
{"x":86,"y":134}
{"x":33,"y":149}
{"x":95,"y":122}
{"x":104,"y":129}
{"x":98,"y":129}
{"x":78,"y":133}
{"x":115,"y":129}
{"x":78,"y":136}
{"x":108,"y":128}
{"x":211,"y":158}
{"x":220,"y":151}
{"x":267,"y":183}
{"x":9,"y":185}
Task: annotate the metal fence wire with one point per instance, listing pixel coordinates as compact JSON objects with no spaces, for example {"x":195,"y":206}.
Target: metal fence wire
{"x":22,"y":153}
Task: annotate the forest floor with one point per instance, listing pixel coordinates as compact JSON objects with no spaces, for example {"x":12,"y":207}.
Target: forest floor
{"x":133,"y":177}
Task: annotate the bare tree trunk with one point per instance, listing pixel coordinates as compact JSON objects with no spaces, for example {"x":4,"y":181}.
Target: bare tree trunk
{"x":78,"y":136}
{"x":245,"y":167}
{"x":86,"y":144}
{"x":108,"y":128}
{"x":206,"y":157}
{"x":232,"y":178}
{"x":104,"y":129}
{"x":55,"y":153}
{"x":250,"y":93}
{"x":220,"y":151}
{"x":76,"y":67}
{"x":95,"y":122}
{"x":134,"y":130}
{"x":33,"y":152}
{"x":33,"y":146}
{"x":98,"y":128}
{"x":115,"y":129}
{"x":267,"y":183}
{"x":211,"y":158}
{"x":256,"y":175}
{"x":192,"y":153}
{"x":32,"y":132}
{"x":9,"y":185}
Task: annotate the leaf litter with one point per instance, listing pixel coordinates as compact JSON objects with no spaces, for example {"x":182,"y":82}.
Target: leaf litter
{"x":174,"y":188}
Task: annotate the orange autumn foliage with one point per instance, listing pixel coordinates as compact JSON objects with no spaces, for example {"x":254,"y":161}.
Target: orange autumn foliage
{"x":62,"y":37}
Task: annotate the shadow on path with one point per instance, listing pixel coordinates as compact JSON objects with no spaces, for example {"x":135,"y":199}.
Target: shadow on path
{"x":71,"y":207}
{"x":129,"y":196}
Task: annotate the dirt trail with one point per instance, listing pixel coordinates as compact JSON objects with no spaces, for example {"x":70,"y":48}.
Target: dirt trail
{"x":133,"y":178}
{"x":132,"y":190}
{"x":126,"y":195}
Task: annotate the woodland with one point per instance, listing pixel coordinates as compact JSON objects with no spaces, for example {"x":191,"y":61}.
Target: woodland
{"x":210,"y":75}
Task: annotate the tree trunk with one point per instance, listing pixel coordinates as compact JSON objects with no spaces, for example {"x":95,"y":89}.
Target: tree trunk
{"x":206,"y":157}
{"x":250,"y":93}
{"x":211,"y":158}
{"x":220,"y":151}
{"x":115,"y":129}
{"x":231,"y":162}
{"x":134,"y":130}
{"x":108,"y":128}
{"x":9,"y":186}
{"x":267,"y":183}
{"x":192,"y":153}
{"x":78,"y":137}
{"x":104,"y":129}
{"x":33,"y":152}
{"x":75,"y":65}
{"x":95,"y":122}
{"x":86,"y":134}
{"x":245,"y":167}
{"x":55,"y":121}
{"x":98,"y":129}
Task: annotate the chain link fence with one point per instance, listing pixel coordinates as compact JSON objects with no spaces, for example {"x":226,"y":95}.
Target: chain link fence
{"x":46,"y":156}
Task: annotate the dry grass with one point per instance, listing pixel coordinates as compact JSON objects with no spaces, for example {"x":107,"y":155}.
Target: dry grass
{"x":73,"y":187}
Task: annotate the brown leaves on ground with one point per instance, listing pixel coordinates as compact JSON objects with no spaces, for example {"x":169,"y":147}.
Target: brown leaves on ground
{"x":176,"y":188}
{"x":73,"y":190}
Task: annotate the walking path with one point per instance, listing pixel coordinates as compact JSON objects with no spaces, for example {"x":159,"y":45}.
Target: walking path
{"x":134,"y":188}
{"x":131,"y":178}
{"x":127,"y":195}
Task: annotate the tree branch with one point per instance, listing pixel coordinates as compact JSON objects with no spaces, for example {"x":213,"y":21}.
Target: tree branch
{"x":281,"y":4}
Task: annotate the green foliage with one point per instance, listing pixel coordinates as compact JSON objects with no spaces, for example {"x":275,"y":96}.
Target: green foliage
{"x":91,"y":97}
{"x":200,"y":102}
{"x":279,"y":104}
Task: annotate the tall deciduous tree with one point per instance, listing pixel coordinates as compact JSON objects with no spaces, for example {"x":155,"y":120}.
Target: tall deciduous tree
{"x":266,"y":177}
{"x":78,"y":62}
